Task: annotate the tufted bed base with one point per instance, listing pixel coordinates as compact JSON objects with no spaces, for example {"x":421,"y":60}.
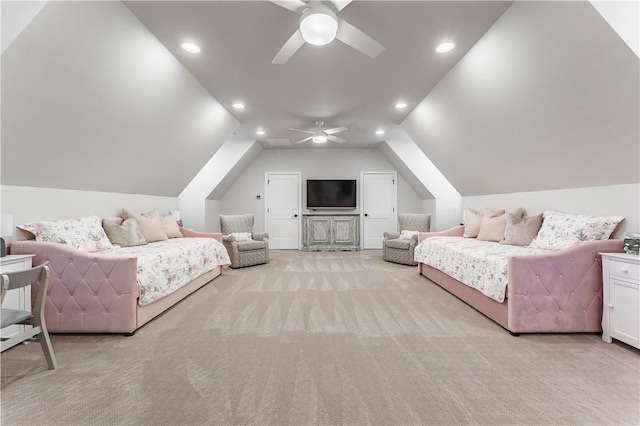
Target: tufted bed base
{"x":98,"y":293}
{"x":559,"y":292}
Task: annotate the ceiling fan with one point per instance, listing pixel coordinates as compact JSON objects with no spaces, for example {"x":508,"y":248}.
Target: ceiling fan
{"x":320,"y":135}
{"x":319,"y":25}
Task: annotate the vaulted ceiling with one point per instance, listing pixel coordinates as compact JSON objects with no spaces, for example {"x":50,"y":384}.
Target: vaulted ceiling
{"x":334,"y":83}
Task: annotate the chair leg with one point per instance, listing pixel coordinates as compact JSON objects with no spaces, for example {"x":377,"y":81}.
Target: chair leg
{"x":45,"y":342}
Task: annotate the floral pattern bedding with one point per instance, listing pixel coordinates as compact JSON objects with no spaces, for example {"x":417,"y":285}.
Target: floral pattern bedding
{"x":476,"y":263}
{"x":166,"y":266}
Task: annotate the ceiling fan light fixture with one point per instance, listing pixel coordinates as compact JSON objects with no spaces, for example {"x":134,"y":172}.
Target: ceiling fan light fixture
{"x":318,"y":25}
{"x":319,"y":138}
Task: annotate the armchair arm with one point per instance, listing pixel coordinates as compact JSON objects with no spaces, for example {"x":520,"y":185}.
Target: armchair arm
{"x":228,"y":238}
{"x":260,"y":236}
{"x":456,"y":231}
{"x":391,"y":235}
{"x":190,"y":233}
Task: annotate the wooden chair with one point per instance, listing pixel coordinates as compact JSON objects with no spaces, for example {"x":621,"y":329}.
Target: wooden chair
{"x":13,"y":280}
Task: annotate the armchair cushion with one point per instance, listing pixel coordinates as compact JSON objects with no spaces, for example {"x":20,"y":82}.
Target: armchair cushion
{"x":407,"y":235}
{"x":241,"y":236}
{"x":399,"y":243}
{"x":251,"y":245}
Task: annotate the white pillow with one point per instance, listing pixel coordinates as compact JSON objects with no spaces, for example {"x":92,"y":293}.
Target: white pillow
{"x":562,"y":230}
{"x":242,"y":236}
{"x":407,"y":235}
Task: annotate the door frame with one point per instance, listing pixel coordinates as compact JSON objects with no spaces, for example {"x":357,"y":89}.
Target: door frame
{"x":266,"y":201}
{"x":395,"y":200}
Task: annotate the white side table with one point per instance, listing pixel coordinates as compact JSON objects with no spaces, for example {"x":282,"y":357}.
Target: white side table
{"x":621,"y":291}
{"x":19,"y":298}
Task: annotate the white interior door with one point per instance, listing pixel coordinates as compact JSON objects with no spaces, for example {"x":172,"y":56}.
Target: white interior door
{"x":378,"y":207}
{"x":282,"y":205}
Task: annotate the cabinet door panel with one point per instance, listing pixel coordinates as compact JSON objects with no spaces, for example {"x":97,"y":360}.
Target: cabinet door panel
{"x":625,"y":321}
{"x":319,"y":231}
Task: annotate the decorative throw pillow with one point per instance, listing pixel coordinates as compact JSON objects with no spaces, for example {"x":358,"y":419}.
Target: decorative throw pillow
{"x":83,"y":234}
{"x":407,"y":235}
{"x":123,"y":233}
{"x":472,"y":220}
{"x":562,"y":230}
{"x":149,"y":223}
{"x":170,"y":225}
{"x":493,"y":225}
{"x":521,"y":231}
{"x":242,"y":236}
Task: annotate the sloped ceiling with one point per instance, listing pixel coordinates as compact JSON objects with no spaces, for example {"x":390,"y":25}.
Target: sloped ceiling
{"x":92,"y":100}
{"x":547,"y":99}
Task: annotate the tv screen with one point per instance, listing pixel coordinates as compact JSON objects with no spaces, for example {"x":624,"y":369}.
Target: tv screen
{"x":331,"y":194}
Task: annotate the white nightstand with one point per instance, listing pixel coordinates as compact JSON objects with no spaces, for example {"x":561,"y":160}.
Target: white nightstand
{"x":19,"y":298}
{"x":621,"y":291}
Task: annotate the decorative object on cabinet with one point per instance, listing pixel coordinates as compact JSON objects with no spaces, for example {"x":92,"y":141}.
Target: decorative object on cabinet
{"x":396,"y":248}
{"x":632,"y":243}
{"x":7,"y":231}
{"x":20,"y":280}
{"x":621,"y":288}
{"x":244,"y":251}
{"x":327,"y":232}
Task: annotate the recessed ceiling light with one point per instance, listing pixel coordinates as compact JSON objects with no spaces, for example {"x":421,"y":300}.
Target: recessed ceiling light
{"x":190,"y":47}
{"x":260,"y":132}
{"x":445,"y":47}
{"x":238,"y":105}
{"x":379,"y":132}
{"x":401,"y":105}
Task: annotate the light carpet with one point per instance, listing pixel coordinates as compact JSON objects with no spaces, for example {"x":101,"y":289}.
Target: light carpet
{"x":322,"y":338}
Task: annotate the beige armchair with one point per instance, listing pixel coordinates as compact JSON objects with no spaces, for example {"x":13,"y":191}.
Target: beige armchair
{"x":400,"y":250}
{"x":253,"y":251}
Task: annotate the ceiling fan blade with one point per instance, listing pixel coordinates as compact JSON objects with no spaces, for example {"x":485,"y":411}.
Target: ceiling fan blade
{"x":336,"y":130}
{"x":292,"y":45}
{"x":304,"y":140}
{"x":335,"y":139}
{"x":300,"y":130}
{"x":351,"y":36}
{"x":341,"y":4}
{"x":293,"y":5}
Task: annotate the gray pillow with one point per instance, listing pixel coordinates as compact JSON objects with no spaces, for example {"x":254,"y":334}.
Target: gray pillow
{"x":124,"y":234}
{"x":521,"y":231}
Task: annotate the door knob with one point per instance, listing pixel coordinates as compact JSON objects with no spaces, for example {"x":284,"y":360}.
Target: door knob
{"x":295,"y":215}
{"x":366,"y":214}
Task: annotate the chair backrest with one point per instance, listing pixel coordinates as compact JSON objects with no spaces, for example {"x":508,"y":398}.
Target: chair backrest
{"x":230,"y":223}
{"x":415,"y":222}
{"x":24,"y":278}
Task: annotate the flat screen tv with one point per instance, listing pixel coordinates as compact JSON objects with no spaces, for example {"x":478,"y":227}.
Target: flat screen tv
{"x":331,"y":194}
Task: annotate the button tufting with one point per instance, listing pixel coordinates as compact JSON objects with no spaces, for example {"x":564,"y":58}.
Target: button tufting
{"x":537,"y":277}
{"x":84,"y":276}
{"x":95,"y":293}
{"x":573,"y":259}
{"x":560,"y":310}
{"x":584,"y":310}
{"x":560,"y":275}
{"x":71,"y":260}
{"x":572,"y":293}
{"x":118,"y":293}
{"x":107,"y":276}
{"x":83,"y":310}
{"x":106,"y":310}
{"x":548,"y":294}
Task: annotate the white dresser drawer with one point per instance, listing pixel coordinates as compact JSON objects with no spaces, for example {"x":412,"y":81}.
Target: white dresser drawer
{"x":619,"y":269}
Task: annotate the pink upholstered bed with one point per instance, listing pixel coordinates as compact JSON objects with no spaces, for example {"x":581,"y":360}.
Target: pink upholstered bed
{"x":554,"y":292}
{"x":98,"y":292}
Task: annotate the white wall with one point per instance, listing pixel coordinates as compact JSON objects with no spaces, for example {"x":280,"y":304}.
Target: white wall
{"x":313,"y":163}
{"x":617,"y":200}
{"x":212,"y":213}
{"x":546,"y":99}
{"x":91,"y":100}
{"x":28,"y":204}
